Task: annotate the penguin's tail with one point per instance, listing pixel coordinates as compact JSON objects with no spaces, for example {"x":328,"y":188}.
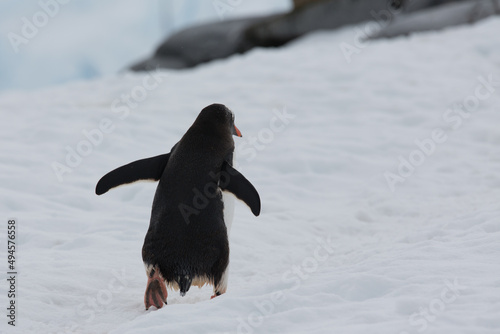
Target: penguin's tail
{"x":184,"y":282}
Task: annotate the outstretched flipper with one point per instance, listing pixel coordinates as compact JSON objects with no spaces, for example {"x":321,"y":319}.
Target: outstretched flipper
{"x":140,"y":170}
{"x":234,"y":182}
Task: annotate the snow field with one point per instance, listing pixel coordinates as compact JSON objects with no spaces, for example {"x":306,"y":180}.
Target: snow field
{"x":334,"y":250}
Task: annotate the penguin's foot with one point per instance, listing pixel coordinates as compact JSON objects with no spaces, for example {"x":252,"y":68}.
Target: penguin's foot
{"x":216,"y":294}
{"x":156,"y":291}
{"x":221,"y":286}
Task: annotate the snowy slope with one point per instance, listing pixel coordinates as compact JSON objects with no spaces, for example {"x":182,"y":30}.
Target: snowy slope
{"x":335,"y":250}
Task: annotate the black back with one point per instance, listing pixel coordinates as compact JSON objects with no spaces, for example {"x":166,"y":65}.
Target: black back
{"x":187,"y":236}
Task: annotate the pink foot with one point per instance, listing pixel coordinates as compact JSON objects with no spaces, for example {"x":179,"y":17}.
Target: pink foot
{"x":156,"y":292}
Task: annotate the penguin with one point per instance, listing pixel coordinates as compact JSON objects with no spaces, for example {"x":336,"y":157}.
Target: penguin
{"x":187,"y":240}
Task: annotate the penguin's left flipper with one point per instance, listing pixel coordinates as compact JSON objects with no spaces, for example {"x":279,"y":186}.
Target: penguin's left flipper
{"x":140,"y":170}
{"x":234,"y":182}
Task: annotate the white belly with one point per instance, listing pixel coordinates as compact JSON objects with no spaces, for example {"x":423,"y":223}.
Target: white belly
{"x":228,"y":199}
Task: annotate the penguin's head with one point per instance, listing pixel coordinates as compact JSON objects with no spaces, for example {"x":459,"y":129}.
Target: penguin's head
{"x":218,"y":118}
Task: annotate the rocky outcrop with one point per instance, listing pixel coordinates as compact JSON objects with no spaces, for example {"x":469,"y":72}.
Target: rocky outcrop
{"x":300,"y":3}
{"x":200,"y":44}
{"x":435,"y":18}
{"x":217,"y":40}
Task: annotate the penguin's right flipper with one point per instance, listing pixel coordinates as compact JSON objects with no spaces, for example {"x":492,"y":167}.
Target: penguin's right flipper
{"x":240,"y":187}
{"x":140,"y":170}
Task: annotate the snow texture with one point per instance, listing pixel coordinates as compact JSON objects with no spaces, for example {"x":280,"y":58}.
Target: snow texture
{"x":337,"y":248}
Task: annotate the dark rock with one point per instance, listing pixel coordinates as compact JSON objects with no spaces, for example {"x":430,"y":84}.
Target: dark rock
{"x":200,"y":44}
{"x":300,"y":3}
{"x":415,"y":5}
{"x":316,"y":16}
{"x":446,"y":15}
{"x":218,"y":40}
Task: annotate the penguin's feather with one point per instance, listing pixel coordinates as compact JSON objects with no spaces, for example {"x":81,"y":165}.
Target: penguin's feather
{"x":140,"y":170}
{"x":234,"y":182}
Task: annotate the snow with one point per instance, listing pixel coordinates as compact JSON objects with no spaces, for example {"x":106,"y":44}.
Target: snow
{"x":334,"y":249}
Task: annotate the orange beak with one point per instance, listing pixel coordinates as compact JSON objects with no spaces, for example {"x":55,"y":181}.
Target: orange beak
{"x":237,"y":132}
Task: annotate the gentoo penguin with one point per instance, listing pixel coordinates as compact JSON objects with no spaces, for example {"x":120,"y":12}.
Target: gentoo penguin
{"x":187,"y":240}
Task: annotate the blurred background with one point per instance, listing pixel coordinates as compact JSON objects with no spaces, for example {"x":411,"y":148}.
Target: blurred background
{"x":95,"y":38}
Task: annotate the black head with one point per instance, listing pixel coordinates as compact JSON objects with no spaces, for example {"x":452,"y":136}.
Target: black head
{"x":218,"y":118}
